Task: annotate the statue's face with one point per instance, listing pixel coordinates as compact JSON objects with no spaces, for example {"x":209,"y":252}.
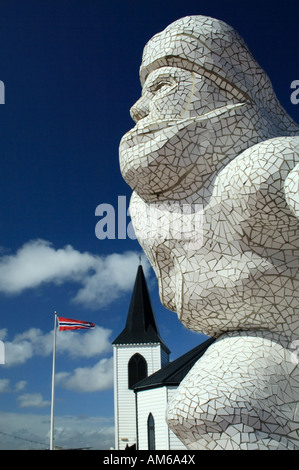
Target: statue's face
{"x":171,"y":149}
{"x":183,"y":120}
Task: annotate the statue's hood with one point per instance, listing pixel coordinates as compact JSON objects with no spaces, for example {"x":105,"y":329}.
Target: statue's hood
{"x":214,"y":49}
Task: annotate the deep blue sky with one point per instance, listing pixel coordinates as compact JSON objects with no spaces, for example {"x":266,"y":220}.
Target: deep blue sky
{"x":70,"y":70}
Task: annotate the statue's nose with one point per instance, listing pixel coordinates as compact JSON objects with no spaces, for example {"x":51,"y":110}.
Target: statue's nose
{"x":140,"y":109}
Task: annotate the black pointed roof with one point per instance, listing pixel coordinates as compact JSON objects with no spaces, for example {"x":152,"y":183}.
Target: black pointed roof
{"x":141,"y":326}
{"x":173,"y":373}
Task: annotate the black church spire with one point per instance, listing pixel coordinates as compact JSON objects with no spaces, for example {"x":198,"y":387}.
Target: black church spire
{"x":141,"y":326}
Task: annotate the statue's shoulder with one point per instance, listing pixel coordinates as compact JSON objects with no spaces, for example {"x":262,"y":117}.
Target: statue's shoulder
{"x":269,"y":155}
{"x":272,"y":150}
{"x":263,"y":163}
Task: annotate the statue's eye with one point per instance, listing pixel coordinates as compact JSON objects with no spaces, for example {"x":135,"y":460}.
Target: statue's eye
{"x":159,"y":85}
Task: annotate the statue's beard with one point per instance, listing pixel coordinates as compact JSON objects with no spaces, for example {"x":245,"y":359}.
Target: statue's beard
{"x":157,"y":159}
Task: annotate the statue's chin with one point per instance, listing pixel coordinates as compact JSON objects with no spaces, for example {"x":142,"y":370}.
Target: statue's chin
{"x":157,"y":168}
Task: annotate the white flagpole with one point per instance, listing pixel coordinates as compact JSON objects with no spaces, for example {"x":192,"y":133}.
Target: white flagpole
{"x":53,"y":384}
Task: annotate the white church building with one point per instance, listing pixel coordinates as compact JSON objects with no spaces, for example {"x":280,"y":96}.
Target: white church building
{"x":144,"y":379}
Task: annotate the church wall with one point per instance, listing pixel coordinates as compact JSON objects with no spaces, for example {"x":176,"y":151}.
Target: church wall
{"x":124,"y":398}
{"x":155,"y":401}
{"x":152,"y":401}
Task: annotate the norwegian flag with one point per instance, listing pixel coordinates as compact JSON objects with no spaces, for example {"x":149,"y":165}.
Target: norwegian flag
{"x":70,"y":324}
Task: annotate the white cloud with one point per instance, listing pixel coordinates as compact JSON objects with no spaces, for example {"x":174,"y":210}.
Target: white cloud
{"x":114,"y":275}
{"x":85,"y":344}
{"x":37,"y":262}
{"x":3,"y":334}
{"x":75,"y":344}
{"x":20,"y":385}
{"x":31,"y":431}
{"x":34,"y":400}
{"x":25,"y":345}
{"x":88,"y":379}
{"x":4,"y":385}
{"x":101,"y":279}
{"x":17,"y":352}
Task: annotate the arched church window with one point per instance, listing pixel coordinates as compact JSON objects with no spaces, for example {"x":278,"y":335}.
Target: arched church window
{"x":151,"y":432}
{"x":137,"y":369}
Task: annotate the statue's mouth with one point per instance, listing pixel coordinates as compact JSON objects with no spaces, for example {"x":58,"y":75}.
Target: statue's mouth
{"x":138,"y":135}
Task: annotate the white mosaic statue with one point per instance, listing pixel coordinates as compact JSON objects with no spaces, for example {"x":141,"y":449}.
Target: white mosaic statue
{"x":213,"y":163}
